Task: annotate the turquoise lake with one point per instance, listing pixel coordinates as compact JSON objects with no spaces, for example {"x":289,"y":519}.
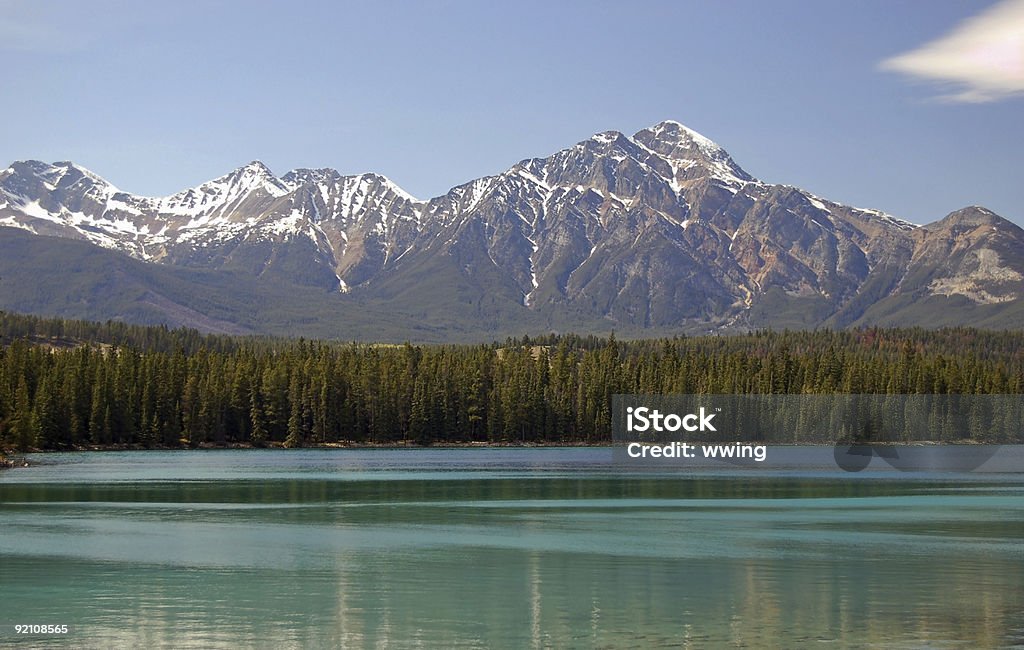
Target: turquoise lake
{"x":506,"y":548}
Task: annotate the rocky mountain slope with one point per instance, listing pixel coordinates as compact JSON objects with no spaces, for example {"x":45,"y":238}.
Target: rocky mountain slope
{"x":658,"y":231}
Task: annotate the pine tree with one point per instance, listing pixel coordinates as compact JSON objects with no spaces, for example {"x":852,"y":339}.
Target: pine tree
{"x":22,"y":429}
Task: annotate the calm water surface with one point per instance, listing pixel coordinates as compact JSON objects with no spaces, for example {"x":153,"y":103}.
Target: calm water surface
{"x":504,"y":548}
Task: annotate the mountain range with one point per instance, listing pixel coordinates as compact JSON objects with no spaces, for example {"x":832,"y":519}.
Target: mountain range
{"x":655,"y":233}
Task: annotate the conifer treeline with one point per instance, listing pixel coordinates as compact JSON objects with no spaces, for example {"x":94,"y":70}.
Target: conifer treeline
{"x":65,"y":384}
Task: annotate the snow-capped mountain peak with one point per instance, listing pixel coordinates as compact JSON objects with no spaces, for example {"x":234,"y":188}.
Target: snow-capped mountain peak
{"x":670,"y":130}
{"x":248,"y":178}
{"x":691,"y":154}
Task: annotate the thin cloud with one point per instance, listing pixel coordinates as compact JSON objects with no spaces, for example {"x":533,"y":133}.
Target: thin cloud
{"x":19,"y":31}
{"x":981,"y":59}
{"x":58,"y":26}
{"x":37,"y":27}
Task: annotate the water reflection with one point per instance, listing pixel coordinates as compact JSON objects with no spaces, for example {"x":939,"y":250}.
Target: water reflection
{"x":511,"y":557}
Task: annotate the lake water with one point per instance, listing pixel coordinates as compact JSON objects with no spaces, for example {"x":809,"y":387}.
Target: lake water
{"x":505,"y":548}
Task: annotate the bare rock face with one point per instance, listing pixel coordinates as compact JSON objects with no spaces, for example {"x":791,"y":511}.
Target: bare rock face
{"x":658,"y":230}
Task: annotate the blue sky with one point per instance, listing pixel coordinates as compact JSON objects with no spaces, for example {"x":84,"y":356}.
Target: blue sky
{"x":869,"y":103}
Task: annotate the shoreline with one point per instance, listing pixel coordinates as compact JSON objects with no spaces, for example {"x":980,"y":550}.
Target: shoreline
{"x":7,"y":455}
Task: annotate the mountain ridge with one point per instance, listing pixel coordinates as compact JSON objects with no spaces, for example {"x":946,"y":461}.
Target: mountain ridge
{"x":658,"y":230}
